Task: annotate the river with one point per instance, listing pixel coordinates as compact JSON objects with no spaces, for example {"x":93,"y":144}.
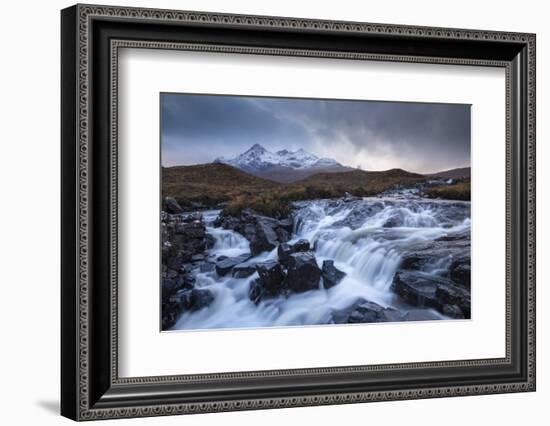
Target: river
{"x":365,"y":237}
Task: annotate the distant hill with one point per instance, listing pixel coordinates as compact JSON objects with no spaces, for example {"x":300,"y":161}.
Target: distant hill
{"x":283,"y":174}
{"x":210,"y":183}
{"x":463,"y":172}
{"x":360,"y":182}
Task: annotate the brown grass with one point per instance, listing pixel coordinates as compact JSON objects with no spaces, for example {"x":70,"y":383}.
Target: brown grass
{"x":211,"y":184}
{"x":459,"y":190}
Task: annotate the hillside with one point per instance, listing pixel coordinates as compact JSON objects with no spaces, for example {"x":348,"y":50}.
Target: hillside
{"x":463,"y":172}
{"x":288,"y":175}
{"x":356,"y":182}
{"x":210,"y":184}
{"x":214,"y":183}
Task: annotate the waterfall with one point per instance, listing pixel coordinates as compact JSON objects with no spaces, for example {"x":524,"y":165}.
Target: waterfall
{"x":365,"y":238}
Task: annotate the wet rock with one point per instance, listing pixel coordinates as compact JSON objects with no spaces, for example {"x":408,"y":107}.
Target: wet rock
{"x":303,"y":274}
{"x":285,"y":250}
{"x":172,"y":206}
{"x":301,"y":245}
{"x":360,"y":212}
{"x":243,"y":270}
{"x":198,"y":258}
{"x":427,"y":290}
{"x":282,"y":234}
{"x":449,"y":294}
{"x":263,"y":233}
{"x":453,"y":311}
{"x":193,"y":299}
{"x":331,"y":275}
{"x":286,"y":224}
{"x":461,"y":272}
{"x":365,"y":311}
{"x":224,"y":266}
{"x":177,"y":260}
{"x":417,"y":288}
{"x":420,"y":315}
{"x":209,"y":241}
{"x":265,"y":237}
{"x":192,"y":217}
{"x":190,"y":230}
{"x":181,"y":300}
{"x":256,"y":292}
{"x":271,"y":277}
{"x":207,"y":267}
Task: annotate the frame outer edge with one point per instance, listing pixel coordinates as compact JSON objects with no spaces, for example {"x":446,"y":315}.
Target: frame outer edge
{"x":83,"y":13}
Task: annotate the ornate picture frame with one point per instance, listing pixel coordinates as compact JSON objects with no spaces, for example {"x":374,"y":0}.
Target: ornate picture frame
{"x":91,"y":37}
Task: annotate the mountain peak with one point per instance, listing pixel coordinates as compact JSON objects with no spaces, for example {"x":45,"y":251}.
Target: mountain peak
{"x":256,"y":148}
{"x":258,"y":159}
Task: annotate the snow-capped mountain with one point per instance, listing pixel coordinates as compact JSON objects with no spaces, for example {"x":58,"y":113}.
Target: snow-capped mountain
{"x":283,"y":165}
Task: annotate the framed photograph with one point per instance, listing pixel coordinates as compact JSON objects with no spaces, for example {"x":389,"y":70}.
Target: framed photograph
{"x":263,"y":212}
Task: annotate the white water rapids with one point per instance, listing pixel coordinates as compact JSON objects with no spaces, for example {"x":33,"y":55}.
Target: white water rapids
{"x":364,"y":237}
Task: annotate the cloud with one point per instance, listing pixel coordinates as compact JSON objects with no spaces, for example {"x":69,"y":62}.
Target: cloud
{"x":376,"y":135}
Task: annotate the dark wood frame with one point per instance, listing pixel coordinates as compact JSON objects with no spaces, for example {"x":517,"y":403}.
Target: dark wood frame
{"x":90,"y":386}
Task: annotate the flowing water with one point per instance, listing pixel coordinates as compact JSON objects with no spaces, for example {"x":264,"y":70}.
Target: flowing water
{"x":366,"y":239}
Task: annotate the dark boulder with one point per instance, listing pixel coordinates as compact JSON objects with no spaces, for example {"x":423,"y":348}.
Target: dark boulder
{"x":192,"y":217}
{"x":266,"y":237}
{"x":422,"y":257}
{"x":200,"y":298}
{"x":417,"y":288}
{"x":185,"y":299}
{"x":263,"y":233}
{"x":450,"y":294}
{"x":453,"y":311}
{"x":194,"y":299}
{"x":243,"y":270}
{"x":271,"y":277}
{"x":256,"y":292}
{"x":282,"y":234}
{"x":286,"y":224}
{"x":301,"y":245}
{"x":172,"y":206}
{"x":285,"y":250}
{"x":198,"y":257}
{"x":427,"y":290}
{"x":207,"y":267}
{"x":331,"y":275}
{"x":224,"y":266}
{"x":190,"y":230}
{"x":461,"y":273}
{"x":177,"y":260}
{"x":209,"y":241}
{"x":303,"y":274}
{"x":364,"y":311}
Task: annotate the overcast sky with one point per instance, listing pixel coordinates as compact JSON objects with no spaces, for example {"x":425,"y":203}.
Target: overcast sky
{"x":417,"y":137}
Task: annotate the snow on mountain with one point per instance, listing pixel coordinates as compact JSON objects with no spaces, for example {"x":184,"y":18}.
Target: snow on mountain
{"x":258,"y":159}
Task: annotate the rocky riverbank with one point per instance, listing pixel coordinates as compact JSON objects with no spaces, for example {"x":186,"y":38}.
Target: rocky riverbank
{"x":184,"y":243}
{"x":425,"y":273}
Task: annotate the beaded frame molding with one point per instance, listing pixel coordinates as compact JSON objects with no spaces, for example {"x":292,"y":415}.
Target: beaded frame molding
{"x":91,"y":39}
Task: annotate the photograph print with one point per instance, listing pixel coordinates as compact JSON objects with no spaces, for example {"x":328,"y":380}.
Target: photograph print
{"x":281,"y":212}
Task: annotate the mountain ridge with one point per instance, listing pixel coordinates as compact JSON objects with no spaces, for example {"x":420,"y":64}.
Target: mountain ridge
{"x":282,"y":166}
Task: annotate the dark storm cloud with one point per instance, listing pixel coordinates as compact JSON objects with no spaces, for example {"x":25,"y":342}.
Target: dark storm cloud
{"x":374,"y":135}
